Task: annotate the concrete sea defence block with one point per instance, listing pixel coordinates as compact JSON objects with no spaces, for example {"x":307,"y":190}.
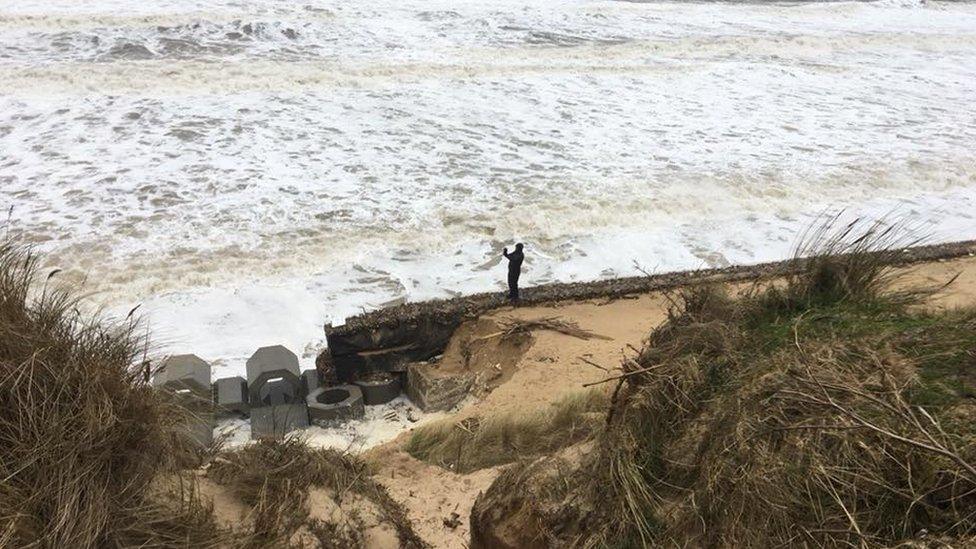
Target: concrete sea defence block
{"x":434,"y":391}
{"x":278,"y":420}
{"x":184,"y":373}
{"x":231,"y":397}
{"x":330,"y":404}
{"x":273,"y":377}
{"x":279,"y":390}
{"x":388,"y":343}
{"x":310,"y":381}
{"x":199,"y":428}
{"x":379,"y":388}
{"x":396,"y":359}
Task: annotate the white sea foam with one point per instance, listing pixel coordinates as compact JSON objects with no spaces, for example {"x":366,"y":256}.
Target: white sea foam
{"x":251,"y":170}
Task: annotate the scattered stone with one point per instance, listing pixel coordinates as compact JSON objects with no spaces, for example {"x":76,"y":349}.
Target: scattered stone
{"x":453,"y":521}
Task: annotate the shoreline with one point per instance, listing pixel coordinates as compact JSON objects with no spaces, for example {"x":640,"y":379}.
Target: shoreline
{"x":613,"y":288}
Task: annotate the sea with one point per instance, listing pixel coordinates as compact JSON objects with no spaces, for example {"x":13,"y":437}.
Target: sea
{"x":241,"y":172}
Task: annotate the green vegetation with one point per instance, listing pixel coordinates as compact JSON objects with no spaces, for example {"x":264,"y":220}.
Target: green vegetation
{"x":475,"y":443}
{"x":826,"y":410}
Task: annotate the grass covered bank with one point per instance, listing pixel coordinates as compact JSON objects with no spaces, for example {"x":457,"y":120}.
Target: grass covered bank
{"x":826,"y":409}
{"x":82,"y":435}
{"x":476,"y":443}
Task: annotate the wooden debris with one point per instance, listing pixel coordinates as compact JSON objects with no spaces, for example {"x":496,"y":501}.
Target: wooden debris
{"x":515,"y":326}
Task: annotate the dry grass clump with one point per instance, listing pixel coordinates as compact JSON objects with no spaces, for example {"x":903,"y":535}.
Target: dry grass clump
{"x":476,"y":443}
{"x":82,"y":434}
{"x":274,"y":478}
{"x":801,"y":414}
{"x":823,"y":411}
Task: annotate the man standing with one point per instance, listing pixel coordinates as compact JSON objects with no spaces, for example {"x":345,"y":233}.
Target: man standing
{"x":514,"y":270}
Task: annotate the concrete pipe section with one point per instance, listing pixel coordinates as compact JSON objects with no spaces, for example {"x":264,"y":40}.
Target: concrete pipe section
{"x":379,"y":388}
{"x":339,"y":403}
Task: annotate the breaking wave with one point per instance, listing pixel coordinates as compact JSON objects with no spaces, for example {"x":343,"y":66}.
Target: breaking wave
{"x":249,"y":170}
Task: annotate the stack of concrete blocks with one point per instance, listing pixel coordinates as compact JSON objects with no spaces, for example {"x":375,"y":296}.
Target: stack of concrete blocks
{"x":188,"y":378}
{"x":275,"y":393}
{"x":231,"y":398}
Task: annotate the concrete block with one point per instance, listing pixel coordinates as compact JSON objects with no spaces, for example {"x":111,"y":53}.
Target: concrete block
{"x":199,"y":429}
{"x":349,"y":367}
{"x":279,"y":391}
{"x":231,"y":397}
{"x":271,"y":365}
{"x":310,"y":381}
{"x":379,"y":388}
{"x":432,"y":390}
{"x":276,"y":421}
{"x":184,"y":373}
{"x":330,"y":404}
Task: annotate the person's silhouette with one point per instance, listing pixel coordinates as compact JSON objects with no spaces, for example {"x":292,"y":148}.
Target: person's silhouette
{"x":514,"y":270}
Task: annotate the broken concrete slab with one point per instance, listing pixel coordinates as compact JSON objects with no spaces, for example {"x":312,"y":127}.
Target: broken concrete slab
{"x":184,"y":373}
{"x":433,"y":390}
{"x":330,"y":404}
{"x":276,"y":421}
{"x":231,"y":397}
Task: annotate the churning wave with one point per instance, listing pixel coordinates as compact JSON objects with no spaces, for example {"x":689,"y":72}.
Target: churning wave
{"x":249,"y":170}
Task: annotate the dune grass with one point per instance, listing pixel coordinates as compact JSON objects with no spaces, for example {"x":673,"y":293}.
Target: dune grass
{"x":82,"y":435}
{"x":476,"y":443}
{"x":825,"y":411}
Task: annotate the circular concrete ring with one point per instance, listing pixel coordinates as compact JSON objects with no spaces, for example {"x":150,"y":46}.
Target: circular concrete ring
{"x":380,"y":389}
{"x":337,"y":403}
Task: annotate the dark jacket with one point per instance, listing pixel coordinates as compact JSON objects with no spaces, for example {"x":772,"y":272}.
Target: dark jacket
{"x":515,"y":261}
